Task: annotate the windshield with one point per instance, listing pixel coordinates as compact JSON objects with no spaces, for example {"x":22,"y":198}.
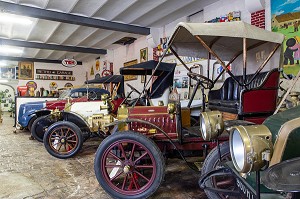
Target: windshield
{"x":65,"y":94}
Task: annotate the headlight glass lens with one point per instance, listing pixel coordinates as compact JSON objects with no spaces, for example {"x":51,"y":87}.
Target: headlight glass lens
{"x":203,"y":127}
{"x":238,"y":152}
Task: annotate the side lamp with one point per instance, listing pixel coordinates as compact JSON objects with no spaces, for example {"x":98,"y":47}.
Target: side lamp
{"x":211,"y":124}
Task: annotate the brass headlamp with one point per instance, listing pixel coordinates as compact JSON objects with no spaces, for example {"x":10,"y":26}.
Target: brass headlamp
{"x":211,"y":124}
{"x":250,"y":147}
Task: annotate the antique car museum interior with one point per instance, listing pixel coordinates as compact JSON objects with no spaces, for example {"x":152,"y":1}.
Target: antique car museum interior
{"x":153,"y":99}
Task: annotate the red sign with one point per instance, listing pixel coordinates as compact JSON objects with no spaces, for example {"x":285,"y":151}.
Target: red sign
{"x":69,"y":62}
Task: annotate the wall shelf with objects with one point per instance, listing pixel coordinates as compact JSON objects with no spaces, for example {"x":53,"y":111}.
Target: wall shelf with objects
{"x":51,"y":77}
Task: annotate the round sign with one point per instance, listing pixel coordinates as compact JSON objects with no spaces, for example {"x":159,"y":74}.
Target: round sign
{"x":53,"y":86}
{"x":68,"y":85}
{"x":106,"y":73}
{"x":31,"y":84}
{"x":69,"y":62}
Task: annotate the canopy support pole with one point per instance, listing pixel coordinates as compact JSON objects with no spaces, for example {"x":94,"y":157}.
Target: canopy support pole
{"x":218,"y":58}
{"x":244,"y":60}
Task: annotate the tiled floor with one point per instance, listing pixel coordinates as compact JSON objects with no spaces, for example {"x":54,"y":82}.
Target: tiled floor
{"x":28,"y":171}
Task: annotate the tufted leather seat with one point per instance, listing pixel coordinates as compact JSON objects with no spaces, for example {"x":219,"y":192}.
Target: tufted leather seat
{"x":259,"y":97}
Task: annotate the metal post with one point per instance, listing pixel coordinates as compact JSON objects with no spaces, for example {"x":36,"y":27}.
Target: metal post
{"x":257,"y":184}
{"x":244,"y":60}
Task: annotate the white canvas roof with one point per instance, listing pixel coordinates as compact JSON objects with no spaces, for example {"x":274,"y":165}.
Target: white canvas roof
{"x":230,"y":40}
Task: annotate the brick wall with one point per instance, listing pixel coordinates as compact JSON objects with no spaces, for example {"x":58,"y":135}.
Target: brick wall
{"x":258,"y":19}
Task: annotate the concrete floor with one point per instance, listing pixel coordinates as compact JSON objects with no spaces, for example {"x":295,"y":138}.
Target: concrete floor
{"x":28,"y":171}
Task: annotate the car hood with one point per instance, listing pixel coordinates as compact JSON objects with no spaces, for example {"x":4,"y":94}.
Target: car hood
{"x":275,"y":122}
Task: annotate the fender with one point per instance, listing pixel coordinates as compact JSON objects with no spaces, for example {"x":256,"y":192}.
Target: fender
{"x":40,"y":113}
{"x":76,"y":119}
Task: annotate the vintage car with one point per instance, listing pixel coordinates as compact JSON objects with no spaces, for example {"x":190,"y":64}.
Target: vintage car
{"x":66,"y":130}
{"x":42,"y":121}
{"x":130,"y":163}
{"x":29,"y":111}
{"x":260,"y":161}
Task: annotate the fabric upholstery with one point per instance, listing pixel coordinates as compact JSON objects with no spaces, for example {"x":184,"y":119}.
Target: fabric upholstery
{"x":231,"y":96}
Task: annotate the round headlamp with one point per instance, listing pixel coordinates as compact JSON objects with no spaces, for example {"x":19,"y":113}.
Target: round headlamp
{"x":250,"y":147}
{"x":211,"y":124}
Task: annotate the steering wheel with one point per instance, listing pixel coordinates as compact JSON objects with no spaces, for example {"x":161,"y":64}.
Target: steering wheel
{"x":92,"y":95}
{"x":132,"y":88}
{"x":204,"y":81}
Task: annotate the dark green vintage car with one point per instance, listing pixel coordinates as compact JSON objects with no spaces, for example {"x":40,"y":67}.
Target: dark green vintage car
{"x":259,"y":161}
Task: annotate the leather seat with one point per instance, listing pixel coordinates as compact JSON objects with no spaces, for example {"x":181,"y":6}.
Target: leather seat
{"x":259,"y":96}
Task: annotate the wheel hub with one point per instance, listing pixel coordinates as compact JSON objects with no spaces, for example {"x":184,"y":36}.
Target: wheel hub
{"x":126,"y":169}
{"x":63,"y":140}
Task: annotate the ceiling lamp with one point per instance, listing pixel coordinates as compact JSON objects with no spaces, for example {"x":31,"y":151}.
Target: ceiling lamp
{"x":10,"y":50}
{"x":10,"y":18}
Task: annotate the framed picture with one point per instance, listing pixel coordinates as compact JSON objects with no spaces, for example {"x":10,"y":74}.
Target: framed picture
{"x":26,"y":70}
{"x":144,"y":54}
{"x":130,"y":63}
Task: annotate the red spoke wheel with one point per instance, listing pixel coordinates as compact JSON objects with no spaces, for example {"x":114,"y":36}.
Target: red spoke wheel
{"x":63,"y":139}
{"x":129,"y":165}
{"x":212,"y":161}
{"x":39,"y":127}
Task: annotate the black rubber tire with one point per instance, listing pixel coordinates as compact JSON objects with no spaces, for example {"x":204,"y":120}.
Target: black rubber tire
{"x":39,"y":127}
{"x":147,"y":143}
{"x":211,"y":162}
{"x":31,"y":122}
{"x":58,"y":126}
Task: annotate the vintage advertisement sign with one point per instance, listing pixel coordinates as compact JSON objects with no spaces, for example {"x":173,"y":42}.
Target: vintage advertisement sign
{"x":53,"y":72}
{"x":69,"y":62}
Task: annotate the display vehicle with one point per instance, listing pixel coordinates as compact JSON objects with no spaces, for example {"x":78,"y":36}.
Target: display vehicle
{"x":67,"y":129}
{"x":130,"y":163}
{"x":260,"y":161}
{"x":44,"y":117}
{"x":30,"y":111}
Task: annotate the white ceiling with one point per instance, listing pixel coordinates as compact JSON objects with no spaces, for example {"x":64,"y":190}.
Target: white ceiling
{"x":144,"y":13}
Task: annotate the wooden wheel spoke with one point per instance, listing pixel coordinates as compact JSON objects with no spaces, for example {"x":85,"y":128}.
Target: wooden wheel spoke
{"x":124,"y":182}
{"x":144,"y":166}
{"x":53,"y":144}
{"x":113,"y":166}
{"x":72,"y":141}
{"x":116,"y":176}
{"x":123,"y":151}
{"x":59,"y":147}
{"x":71,"y":136}
{"x":136,"y":184}
{"x":66,"y":134}
{"x":114,"y":156}
{"x":143,"y":155}
{"x":132,"y":152}
{"x":70,"y":146}
{"x":142,"y":175}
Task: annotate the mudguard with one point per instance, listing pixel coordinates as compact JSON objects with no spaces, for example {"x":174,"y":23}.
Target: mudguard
{"x":283,"y":176}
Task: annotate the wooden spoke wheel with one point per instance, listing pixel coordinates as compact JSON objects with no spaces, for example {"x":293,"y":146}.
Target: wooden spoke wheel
{"x":63,"y":139}
{"x":129,"y":165}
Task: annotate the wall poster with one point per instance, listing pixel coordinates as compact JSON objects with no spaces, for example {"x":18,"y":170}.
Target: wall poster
{"x":286,"y":20}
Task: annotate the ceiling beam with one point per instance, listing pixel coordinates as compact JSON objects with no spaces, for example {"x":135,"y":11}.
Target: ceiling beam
{"x":27,"y":44}
{"x":71,"y":19}
{"x":27,"y":59}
